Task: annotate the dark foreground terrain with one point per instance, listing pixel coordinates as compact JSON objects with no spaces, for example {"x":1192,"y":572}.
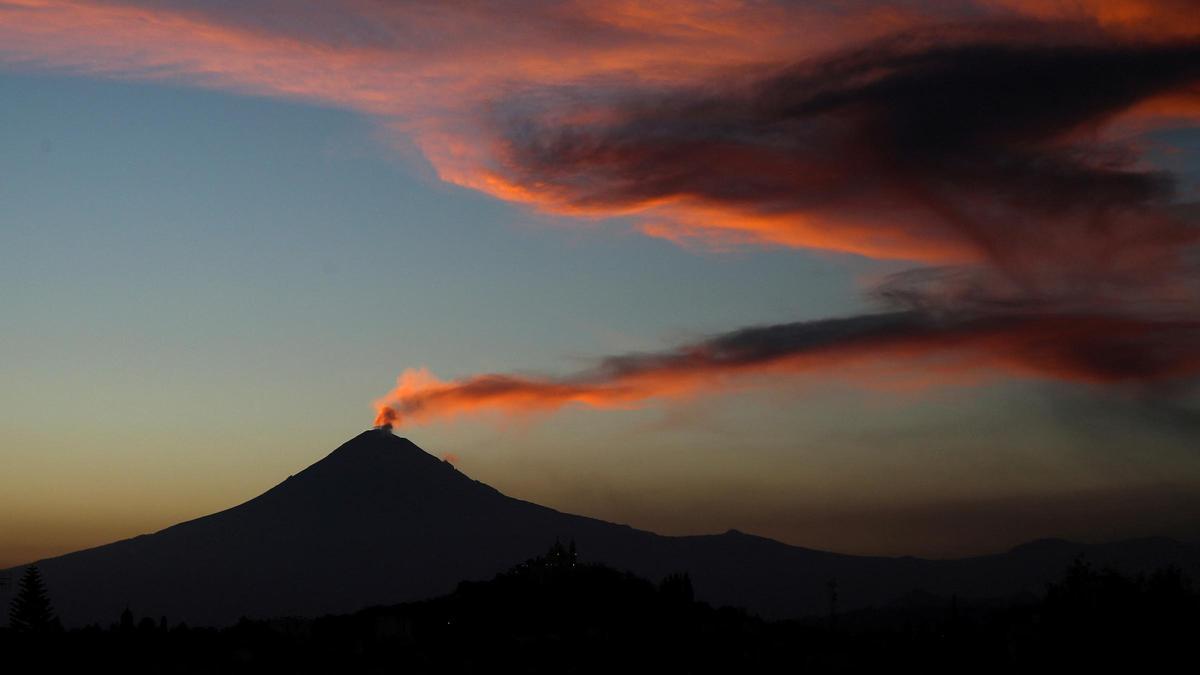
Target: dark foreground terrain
{"x":554,"y":614}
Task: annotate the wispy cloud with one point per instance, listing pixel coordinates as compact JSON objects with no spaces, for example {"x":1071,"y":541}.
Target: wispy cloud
{"x":1000,"y":137}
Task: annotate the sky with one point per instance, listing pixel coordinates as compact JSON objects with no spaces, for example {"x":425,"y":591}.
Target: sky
{"x":875,"y":277}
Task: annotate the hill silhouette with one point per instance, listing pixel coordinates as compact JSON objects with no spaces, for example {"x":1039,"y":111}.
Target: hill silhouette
{"x":380,"y":521}
{"x":554,"y":614}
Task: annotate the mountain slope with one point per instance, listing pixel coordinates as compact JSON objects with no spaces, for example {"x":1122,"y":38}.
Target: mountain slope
{"x":381,"y":521}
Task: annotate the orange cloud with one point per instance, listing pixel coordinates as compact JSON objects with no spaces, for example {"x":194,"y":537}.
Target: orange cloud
{"x":434,"y":70}
{"x":1136,"y":18}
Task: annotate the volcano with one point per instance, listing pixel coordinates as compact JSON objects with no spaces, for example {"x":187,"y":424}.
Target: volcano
{"x":381,"y":521}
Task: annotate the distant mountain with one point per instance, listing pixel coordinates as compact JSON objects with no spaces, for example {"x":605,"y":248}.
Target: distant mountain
{"x":380,"y":521}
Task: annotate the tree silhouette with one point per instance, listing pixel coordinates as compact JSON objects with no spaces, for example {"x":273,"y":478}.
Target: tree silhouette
{"x":678,"y":588}
{"x":30,"y":611}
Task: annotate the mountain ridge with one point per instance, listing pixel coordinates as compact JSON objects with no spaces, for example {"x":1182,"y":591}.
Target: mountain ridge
{"x":378,"y":520}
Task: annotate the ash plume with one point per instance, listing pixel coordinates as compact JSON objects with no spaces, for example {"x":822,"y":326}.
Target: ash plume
{"x":1077,"y":344}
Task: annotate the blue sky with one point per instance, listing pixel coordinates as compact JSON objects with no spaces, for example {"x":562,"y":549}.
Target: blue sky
{"x":206,"y":286}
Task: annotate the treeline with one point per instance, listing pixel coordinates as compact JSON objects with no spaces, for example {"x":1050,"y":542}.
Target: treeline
{"x":554,"y":614}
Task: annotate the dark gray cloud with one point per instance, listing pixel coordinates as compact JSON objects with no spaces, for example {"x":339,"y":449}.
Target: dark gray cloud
{"x":981,"y":139}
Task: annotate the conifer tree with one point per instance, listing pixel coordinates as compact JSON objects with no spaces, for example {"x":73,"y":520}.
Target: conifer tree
{"x":30,"y":610}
